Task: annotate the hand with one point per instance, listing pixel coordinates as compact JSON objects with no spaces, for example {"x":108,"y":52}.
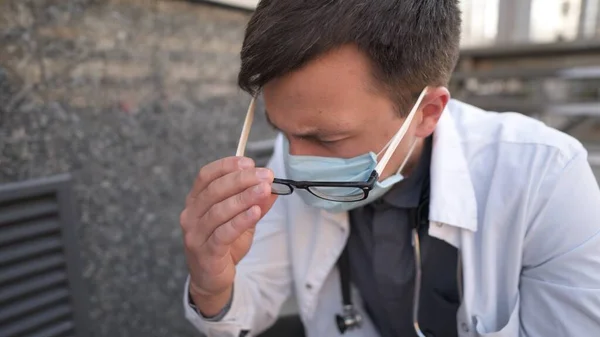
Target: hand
{"x":228,"y":198}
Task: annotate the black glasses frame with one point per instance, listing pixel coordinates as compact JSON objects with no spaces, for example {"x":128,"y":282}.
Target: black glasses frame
{"x":365,"y":186}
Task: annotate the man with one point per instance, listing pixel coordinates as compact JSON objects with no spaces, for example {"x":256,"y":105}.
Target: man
{"x":371,"y":147}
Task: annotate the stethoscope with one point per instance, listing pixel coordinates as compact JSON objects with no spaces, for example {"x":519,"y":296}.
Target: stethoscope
{"x":350,"y":318}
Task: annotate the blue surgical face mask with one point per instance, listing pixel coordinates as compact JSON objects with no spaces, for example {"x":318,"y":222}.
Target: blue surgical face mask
{"x":313,"y":168}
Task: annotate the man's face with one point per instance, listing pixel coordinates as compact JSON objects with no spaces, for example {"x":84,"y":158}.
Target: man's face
{"x":331,"y":108}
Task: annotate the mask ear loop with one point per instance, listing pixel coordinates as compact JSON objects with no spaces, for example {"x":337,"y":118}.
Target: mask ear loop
{"x":246,"y":129}
{"x":399,"y":135}
{"x":408,"y":155}
{"x":385,"y":147}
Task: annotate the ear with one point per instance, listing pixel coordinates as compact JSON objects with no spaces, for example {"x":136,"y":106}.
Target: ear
{"x":432,"y":106}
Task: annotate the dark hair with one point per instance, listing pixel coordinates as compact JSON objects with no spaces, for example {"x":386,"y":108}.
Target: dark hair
{"x":411,"y":43}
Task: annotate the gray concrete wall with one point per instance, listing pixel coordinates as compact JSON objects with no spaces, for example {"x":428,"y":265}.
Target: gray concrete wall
{"x":132,"y":97}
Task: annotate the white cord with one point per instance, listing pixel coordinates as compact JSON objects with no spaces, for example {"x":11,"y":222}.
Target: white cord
{"x":408,"y":155}
{"x":399,"y":135}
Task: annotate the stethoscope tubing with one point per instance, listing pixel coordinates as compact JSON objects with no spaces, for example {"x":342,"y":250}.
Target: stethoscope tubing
{"x":417,"y":291}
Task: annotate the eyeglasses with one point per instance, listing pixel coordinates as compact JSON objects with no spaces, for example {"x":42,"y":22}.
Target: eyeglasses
{"x":341,"y":191}
{"x":328,"y":190}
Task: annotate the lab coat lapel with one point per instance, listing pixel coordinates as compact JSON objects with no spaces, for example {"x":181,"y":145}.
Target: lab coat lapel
{"x":452,"y":195}
{"x":331,"y":235}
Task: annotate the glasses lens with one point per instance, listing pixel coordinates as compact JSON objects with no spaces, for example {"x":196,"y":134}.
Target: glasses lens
{"x":338,"y":193}
{"x":280,"y":189}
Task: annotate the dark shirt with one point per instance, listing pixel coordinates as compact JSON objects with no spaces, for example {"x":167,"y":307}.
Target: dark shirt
{"x":382,"y":258}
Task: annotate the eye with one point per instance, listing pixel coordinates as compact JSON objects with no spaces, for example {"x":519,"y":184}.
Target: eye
{"x":314,"y":140}
{"x":331,"y":144}
{"x":328,"y":142}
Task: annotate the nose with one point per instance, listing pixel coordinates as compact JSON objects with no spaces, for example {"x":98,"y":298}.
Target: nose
{"x":293,"y":146}
{"x":300,"y":147}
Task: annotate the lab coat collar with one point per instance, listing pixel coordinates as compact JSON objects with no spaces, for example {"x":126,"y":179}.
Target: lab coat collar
{"x":452,"y":195}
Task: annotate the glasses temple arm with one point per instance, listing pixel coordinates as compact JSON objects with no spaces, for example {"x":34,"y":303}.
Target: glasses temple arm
{"x":246,"y":129}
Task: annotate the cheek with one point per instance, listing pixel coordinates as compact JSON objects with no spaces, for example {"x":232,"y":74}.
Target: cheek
{"x":384,"y":132}
{"x":371,"y":138}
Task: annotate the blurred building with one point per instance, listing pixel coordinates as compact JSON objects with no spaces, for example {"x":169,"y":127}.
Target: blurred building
{"x":488,"y":22}
{"x":538,"y":57}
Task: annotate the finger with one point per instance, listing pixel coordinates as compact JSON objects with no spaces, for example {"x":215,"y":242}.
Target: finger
{"x":227,"y":209}
{"x":230,"y":185}
{"x":217,"y":169}
{"x":220,"y":240}
{"x":266,"y":205}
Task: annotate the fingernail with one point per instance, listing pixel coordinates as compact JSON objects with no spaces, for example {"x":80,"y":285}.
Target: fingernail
{"x":259,"y":190}
{"x":263,"y":174}
{"x":245,"y":163}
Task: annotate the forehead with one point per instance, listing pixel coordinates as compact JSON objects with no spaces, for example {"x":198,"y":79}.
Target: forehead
{"x":337,"y":86}
{"x":330,"y":75}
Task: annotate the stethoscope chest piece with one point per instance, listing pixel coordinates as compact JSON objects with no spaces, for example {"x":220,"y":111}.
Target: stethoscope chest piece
{"x":349,"y":319}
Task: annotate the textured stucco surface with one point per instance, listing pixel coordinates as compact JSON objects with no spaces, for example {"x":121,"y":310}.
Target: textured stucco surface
{"x":131,"y":98}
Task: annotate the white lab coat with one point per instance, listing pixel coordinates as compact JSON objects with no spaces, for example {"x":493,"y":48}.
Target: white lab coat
{"x":517,"y":198}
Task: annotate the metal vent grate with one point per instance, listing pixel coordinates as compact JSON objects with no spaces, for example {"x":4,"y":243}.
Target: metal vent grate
{"x":40,"y":286}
